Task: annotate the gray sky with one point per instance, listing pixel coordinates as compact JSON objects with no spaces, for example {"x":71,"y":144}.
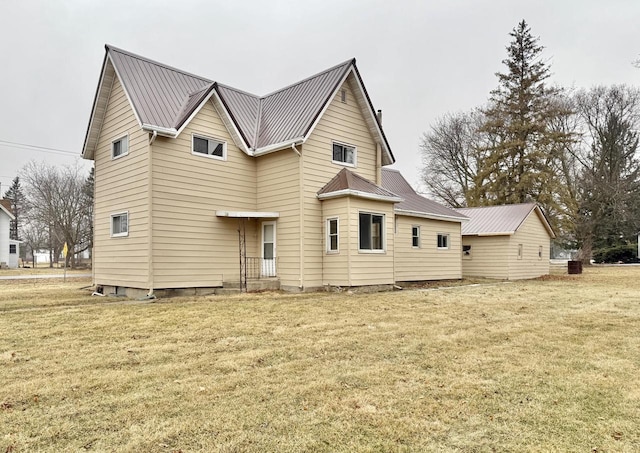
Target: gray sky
{"x":418,"y":59}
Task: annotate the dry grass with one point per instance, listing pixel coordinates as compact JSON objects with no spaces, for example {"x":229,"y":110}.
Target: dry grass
{"x":548,"y":365}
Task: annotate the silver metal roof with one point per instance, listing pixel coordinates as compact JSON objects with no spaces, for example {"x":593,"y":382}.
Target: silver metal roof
{"x":415,"y":204}
{"x":500,"y":220}
{"x":347,"y":180}
{"x":164,"y":97}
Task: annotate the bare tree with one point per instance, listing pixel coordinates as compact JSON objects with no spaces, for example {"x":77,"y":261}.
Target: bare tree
{"x":57,"y":201}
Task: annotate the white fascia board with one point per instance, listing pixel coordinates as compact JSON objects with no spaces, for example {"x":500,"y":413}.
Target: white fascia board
{"x":277,"y":146}
{"x":11,"y":216}
{"x":126,"y":93}
{"x":499,"y":233}
{"x":372,"y":114}
{"x":99,"y":91}
{"x":425,"y":215}
{"x":242,"y":145}
{"x":248,"y":214}
{"x":163,"y":131}
{"x":359,"y":194}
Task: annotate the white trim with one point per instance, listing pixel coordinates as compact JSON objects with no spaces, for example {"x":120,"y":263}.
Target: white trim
{"x":345,"y":145}
{"x":115,"y":214}
{"x":119,"y":139}
{"x":425,"y":215}
{"x":209,"y":139}
{"x":197,"y":109}
{"x":11,"y":216}
{"x":448,"y":236}
{"x":265,"y":270}
{"x":162,"y":131}
{"x":99,"y":90}
{"x":248,"y":214}
{"x":419,"y":246}
{"x":226,"y":119}
{"x":124,"y":88}
{"x":383,"y":233}
{"x":328,"y":235}
{"x":277,"y":146}
{"x":360,"y":194}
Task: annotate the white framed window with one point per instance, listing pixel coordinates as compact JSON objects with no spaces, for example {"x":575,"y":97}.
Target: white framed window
{"x":443,"y":241}
{"x":415,"y":236}
{"x":344,"y":154}
{"x":208,"y":147}
{"x":332,"y":235}
{"x":120,"y":147}
{"x":120,"y":224}
{"x":371,"y":232}
{"x":13,"y":249}
{"x":519,"y":251}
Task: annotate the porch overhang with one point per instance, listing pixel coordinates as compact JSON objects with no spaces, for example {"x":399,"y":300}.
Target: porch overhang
{"x":248,"y":214}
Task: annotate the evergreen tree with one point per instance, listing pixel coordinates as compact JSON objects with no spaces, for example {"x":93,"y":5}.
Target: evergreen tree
{"x":15,"y":195}
{"x":522,"y":162}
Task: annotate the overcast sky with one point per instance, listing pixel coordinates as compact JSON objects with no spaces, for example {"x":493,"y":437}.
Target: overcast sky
{"x":419,"y":59}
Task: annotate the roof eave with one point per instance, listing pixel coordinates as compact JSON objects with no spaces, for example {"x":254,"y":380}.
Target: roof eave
{"x":277,"y":146}
{"x":11,"y":216}
{"x":426,"y":215}
{"x":359,"y":194}
{"x":85,"y":152}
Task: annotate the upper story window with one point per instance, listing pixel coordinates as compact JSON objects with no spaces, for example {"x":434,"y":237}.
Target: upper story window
{"x":210,"y":147}
{"x":120,"y":224}
{"x":371,"y":231}
{"x":344,"y":154}
{"x":343,"y":96}
{"x":443,"y":241}
{"x":415,"y":236}
{"x":332,"y":235}
{"x":120,"y":147}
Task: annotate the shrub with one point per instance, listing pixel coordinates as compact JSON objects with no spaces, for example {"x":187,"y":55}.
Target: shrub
{"x":620,"y":253}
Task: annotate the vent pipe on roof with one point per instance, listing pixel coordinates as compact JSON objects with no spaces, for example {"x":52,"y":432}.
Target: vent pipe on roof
{"x":379,"y":115}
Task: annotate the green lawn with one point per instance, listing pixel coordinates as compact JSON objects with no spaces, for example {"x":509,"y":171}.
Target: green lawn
{"x":545,"y":365}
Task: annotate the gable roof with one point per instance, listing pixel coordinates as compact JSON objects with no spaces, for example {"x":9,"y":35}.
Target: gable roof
{"x":414,"y":204}
{"x":5,"y":206}
{"x":164,"y":99}
{"x":500,"y":220}
{"x":349,"y":183}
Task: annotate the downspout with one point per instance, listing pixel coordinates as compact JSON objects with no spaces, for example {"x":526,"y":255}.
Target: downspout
{"x":301,"y":216}
{"x":293,"y":147}
{"x":150,"y":295}
{"x":153,"y":138}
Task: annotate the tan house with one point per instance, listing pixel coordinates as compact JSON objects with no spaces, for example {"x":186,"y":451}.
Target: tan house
{"x":508,"y":242}
{"x":201,"y":185}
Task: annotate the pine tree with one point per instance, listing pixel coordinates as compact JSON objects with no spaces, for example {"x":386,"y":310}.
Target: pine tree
{"x":521,"y":164}
{"x":15,"y":195}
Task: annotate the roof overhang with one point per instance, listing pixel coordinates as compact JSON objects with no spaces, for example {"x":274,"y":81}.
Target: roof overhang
{"x":359,"y":194}
{"x":503,"y":233}
{"x":248,"y":214}
{"x":425,"y":215}
{"x":6,"y":211}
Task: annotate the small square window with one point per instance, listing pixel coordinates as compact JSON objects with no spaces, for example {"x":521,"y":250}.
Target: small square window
{"x":415,"y":236}
{"x":120,"y":147}
{"x":332,"y":235}
{"x":443,"y":241}
{"x":120,"y":224}
{"x":344,"y":154}
{"x":12,"y":249}
{"x":209,"y":147}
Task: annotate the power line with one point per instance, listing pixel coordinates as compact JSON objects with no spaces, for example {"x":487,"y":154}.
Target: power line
{"x":37,"y":148}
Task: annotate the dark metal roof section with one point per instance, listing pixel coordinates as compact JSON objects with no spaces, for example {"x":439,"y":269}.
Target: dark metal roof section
{"x":244,"y":108}
{"x":159,"y":93}
{"x":347,"y":180}
{"x":289,"y":113}
{"x":413,"y":202}
{"x":500,"y":220}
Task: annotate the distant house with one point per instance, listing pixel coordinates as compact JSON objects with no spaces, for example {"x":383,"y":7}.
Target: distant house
{"x":9,"y":248}
{"x":200,"y":185}
{"x":506,"y":242}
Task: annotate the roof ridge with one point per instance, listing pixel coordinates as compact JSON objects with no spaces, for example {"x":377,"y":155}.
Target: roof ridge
{"x":154,"y":62}
{"x":344,"y":63}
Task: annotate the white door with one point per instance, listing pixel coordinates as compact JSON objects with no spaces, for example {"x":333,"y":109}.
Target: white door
{"x":269,"y":249}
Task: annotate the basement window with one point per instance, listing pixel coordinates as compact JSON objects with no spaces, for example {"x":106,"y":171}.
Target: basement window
{"x":120,"y":147}
{"x":344,"y":154}
{"x":120,"y":224}
{"x":443,"y":241}
{"x":209,"y":147}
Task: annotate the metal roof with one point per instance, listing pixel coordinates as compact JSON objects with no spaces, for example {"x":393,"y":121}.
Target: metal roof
{"x":500,"y":220}
{"x":349,"y":183}
{"x":165,"y":98}
{"x":415,"y":204}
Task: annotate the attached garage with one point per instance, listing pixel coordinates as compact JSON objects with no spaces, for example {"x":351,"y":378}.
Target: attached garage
{"x":508,"y":242}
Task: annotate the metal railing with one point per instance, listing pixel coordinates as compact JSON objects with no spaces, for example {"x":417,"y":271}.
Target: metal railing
{"x":260,"y":267}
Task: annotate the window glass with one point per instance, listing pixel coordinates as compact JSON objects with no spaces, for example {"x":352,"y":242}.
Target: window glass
{"x":120,"y":224}
{"x":415,"y":236}
{"x":12,"y":249}
{"x":332,"y":238}
{"x":119,"y":147}
{"x":344,"y":153}
{"x":443,"y":241}
{"x":371,"y":231}
{"x":208,"y":146}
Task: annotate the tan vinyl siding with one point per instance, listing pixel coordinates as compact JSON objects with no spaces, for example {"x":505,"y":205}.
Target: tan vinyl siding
{"x":335,"y":266}
{"x":531,"y":234}
{"x":344,"y":123}
{"x":278,"y":189}
{"x":191,"y":246}
{"x":488,"y":257}
{"x":121,"y":185}
{"x":366,"y":267}
{"x":426,"y":262}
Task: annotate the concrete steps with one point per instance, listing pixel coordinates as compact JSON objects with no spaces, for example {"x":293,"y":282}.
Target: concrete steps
{"x":265,"y":284}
